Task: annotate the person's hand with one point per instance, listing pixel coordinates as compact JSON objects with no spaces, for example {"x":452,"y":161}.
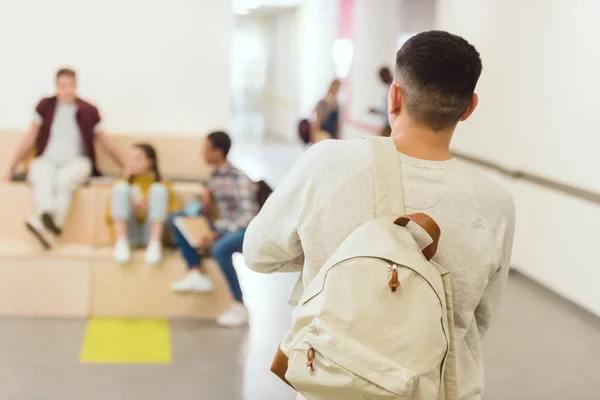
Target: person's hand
{"x":208,"y":240}
{"x":7,"y":176}
{"x":205,"y":199}
{"x":140,"y":209}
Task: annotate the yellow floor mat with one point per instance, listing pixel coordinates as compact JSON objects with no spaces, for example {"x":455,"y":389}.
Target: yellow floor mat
{"x":126,"y":341}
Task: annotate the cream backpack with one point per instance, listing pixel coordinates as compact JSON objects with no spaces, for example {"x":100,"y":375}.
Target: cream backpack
{"x":376,"y":322}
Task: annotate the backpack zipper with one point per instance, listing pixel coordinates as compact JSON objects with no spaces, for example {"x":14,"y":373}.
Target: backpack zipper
{"x":310,"y":356}
{"x":394,"y":283}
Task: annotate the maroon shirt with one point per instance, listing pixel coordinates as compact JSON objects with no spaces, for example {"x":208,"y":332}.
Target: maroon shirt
{"x":87,"y":117}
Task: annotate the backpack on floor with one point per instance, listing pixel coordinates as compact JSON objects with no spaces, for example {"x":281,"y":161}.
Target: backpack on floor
{"x":263,"y":191}
{"x":376,"y":322}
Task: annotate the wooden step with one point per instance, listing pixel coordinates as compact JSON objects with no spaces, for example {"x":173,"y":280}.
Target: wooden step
{"x":83,"y":281}
{"x":41,"y":287}
{"x":140,"y":290}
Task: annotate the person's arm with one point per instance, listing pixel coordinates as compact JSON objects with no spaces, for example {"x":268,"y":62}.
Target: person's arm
{"x":488,"y":305}
{"x":105,"y":143}
{"x":23,"y":148}
{"x":272,"y":242}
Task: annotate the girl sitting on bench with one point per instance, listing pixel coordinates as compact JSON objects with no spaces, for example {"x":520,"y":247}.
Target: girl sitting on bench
{"x":139,"y":206}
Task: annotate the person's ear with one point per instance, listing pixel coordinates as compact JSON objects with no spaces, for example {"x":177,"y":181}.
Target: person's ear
{"x":472,"y":107}
{"x":394,"y":99}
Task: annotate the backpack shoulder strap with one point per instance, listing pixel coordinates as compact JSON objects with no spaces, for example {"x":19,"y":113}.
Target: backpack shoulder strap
{"x":389,"y":197}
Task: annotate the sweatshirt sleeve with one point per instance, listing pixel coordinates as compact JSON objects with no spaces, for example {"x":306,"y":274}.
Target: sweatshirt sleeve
{"x":492,"y":295}
{"x":272,"y":243}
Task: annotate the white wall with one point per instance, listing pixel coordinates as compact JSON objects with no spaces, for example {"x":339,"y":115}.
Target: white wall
{"x":249,"y":62}
{"x":300,"y":65}
{"x":150,"y":65}
{"x":537,"y":113}
{"x":375,"y":31}
{"x":317,"y":30}
{"x":377,"y":27}
{"x":281,"y":91}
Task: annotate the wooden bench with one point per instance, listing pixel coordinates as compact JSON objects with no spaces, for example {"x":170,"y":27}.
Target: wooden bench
{"x":179,"y":157}
{"x":83,"y":282}
{"x":180,"y":161}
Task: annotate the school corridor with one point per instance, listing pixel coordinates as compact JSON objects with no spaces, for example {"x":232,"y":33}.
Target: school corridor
{"x":157,"y":77}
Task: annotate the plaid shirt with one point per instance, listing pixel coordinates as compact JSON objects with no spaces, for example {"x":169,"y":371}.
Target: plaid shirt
{"x":235,"y":196}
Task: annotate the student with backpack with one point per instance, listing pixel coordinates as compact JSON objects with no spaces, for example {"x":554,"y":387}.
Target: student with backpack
{"x":403,"y":250}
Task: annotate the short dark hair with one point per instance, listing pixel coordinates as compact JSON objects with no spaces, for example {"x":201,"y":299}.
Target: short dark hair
{"x":66,"y":72}
{"x":220,"y":141}
{"x":385,"y":74}
{"x":438,"y":72}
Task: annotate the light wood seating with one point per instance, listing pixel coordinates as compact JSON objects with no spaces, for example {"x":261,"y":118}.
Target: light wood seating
{"x":140,"y":290}
{"x":85,"y":224}
{"x":179,"y":157}
{"x":42,"y":287}
{"x":82,"y":281}
{"x":78,"y":277}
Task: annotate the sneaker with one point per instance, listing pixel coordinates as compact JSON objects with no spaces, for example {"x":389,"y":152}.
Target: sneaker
{"x":237,"y":315}
{"x":153,"y":253}
{"x":50,"y":225}
{"x":121,"y":252}
{"x":36,"y":227}
{"x":194,"y":281}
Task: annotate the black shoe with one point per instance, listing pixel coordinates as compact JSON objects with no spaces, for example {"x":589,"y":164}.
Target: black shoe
{"x":35,"y":226}
{"x":49,"y":223}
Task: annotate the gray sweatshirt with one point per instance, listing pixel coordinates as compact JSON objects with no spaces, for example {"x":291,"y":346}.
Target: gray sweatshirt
{"x":329,"y":193}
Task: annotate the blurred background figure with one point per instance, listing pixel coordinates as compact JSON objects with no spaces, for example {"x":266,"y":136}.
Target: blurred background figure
{"x":386,"y":78}
{"x":139,"y":206}
{"x":326,"y":123}
{"x":235,"y":198}
{"x":62,"y":136}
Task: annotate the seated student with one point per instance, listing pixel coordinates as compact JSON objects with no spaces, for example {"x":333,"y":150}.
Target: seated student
{"x":140,"y":206}
{"x":235,"y":197}
{"x":63,"y":133}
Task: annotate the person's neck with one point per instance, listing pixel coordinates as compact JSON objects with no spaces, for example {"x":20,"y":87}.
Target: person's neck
{"x":220,"y":163}
{"x":420,"y":142}
{"x":64,"y":101}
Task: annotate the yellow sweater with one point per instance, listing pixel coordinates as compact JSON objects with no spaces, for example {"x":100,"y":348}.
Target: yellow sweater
{"x":144,"y":182}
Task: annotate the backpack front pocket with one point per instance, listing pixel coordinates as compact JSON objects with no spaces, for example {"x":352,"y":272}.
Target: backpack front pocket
{"x":324,"y":366}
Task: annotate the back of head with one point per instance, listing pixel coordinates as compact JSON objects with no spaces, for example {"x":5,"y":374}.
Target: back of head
{"x":220,"y":141}
{"x":437,"y":72}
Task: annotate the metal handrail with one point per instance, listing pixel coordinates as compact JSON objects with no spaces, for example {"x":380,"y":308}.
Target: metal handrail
{"x":570,"y":190}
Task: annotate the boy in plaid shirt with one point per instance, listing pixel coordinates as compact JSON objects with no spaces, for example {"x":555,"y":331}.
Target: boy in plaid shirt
{"x":234,"y":195}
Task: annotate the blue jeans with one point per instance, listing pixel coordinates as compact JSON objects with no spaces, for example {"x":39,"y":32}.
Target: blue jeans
{"x":222,"y":251}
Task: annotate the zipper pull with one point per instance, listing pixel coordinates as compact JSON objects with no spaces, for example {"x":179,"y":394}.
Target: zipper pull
{"x":394,"y":282}
{"x":310,"y":355}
